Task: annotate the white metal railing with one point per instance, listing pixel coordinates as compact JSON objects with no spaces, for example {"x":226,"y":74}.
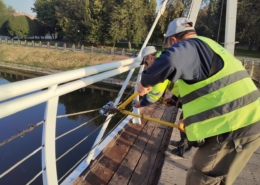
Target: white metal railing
{"x":32,"y":94}
{"x":56,"y":85}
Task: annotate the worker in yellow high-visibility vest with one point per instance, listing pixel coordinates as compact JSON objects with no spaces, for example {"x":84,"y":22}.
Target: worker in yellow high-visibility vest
{"x":220,"y":102}
{"x":148,"y":55}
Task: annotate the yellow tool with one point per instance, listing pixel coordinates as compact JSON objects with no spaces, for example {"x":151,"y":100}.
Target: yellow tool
{"x":110,"y":109}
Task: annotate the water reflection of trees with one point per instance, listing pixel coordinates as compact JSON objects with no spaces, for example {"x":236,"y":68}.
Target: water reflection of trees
{"x":81,"y":101}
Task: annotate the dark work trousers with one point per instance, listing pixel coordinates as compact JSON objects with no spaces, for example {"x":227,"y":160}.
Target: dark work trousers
{"x":219,"y":162}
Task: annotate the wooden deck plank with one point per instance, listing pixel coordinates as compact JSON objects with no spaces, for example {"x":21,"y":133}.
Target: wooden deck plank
{"x":169,"y":115}
{"x":129,"y":163}
{"x":102,"y":169}
{"x":147,"y":162}
{"x":123,"y":175}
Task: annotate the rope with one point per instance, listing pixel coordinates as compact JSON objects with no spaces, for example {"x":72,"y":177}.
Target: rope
{"x":21,"y":133}
{"x":33,"y":126}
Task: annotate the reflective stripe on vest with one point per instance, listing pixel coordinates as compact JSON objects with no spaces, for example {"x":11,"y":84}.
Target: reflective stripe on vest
{"x":224,"y":102}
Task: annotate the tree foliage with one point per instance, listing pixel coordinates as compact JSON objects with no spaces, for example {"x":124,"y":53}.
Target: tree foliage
{"x":45,"y":10}
{"x":5,"y":14}
{"x":18,"y":26}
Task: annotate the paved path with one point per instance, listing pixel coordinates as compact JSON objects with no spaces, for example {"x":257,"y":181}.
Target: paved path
{"x":174,"y":172}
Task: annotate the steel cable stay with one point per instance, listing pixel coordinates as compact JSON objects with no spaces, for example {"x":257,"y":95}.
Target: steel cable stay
{"x":35,"y":177}
{"x":84,"y":155}
{"x":31,"y":127}
{"x":81,"y":140}
{"x":92,"y":147}
{"x":34,"y":152}
{"x":21,"y":161}
{"x":77,"y":127}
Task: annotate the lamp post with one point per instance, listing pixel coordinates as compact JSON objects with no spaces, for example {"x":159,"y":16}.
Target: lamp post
{"x":78,"y":38}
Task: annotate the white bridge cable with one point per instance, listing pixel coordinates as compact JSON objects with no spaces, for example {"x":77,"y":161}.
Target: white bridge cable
{"x":31,"y":127}
{"x":73,"y":114}
{"x":82,"y":157}
{"x":18,"y":163}
{"x":35,"y":177}
{"x":91,"y":148}
{"x":77,"y":127}
{"x":102,"y":140}
{"x":80,"y":141}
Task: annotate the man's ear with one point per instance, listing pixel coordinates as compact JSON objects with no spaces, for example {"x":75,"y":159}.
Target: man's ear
{"x":174,"y":40}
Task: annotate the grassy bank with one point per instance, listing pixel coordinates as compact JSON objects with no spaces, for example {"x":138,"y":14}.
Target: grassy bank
{"x":52,"y":59}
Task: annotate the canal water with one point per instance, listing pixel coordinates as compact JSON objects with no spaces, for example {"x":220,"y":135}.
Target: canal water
{"x":19,"y":148}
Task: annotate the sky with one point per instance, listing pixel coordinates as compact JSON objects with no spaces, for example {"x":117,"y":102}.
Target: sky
{"x":21,"y":5}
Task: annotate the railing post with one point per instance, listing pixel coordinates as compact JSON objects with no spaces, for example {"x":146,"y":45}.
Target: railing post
{"x":73,"y":47}
{"x":40,"y":44}
{"x":12,"y":41}
{"x":102,"y":49}
{"x":25,"y":42}
{"x":33,"y":44}
{"x":56,"y":46}
{"x":0,"y":40}
{"x":48,"y":141}
{"x":6,"y":41}
{"x":123,"y":51}
{"x":48,"y":45}
{"x":19,"y":42}
{"x":82,"y":48}
{"x":92,"y":49}
{"x":64,"y":46}
{"x":104,"y":127}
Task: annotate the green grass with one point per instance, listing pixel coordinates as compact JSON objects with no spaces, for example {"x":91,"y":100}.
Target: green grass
{"x":242,"y":51}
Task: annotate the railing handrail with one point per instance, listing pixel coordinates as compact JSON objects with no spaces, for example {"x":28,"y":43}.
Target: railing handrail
{"x":18,"y":88}
{"x":22,"y":103}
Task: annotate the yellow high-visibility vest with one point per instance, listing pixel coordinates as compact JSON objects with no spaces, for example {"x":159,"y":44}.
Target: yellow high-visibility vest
{"x":222,"y":103}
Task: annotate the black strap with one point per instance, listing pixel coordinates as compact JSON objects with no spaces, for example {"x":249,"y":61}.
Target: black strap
{"x":214,"y":65}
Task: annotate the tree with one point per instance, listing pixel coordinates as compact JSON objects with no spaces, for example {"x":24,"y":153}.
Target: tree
{"x":128,"y":21}
{"x":5,"y":13}
{"x":45,"y":10}
{"x":248,"y":22}
{"x":74,"y":18}
{"x":18,"y":26}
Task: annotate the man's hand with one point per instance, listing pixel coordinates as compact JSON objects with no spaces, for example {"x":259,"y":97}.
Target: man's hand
{"x":143,"y":90}
{"x":169,"y":102}
{"x":136,"y":104}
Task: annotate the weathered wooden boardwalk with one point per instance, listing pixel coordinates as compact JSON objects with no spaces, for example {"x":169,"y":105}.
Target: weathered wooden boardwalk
{"x":136,"y":156}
